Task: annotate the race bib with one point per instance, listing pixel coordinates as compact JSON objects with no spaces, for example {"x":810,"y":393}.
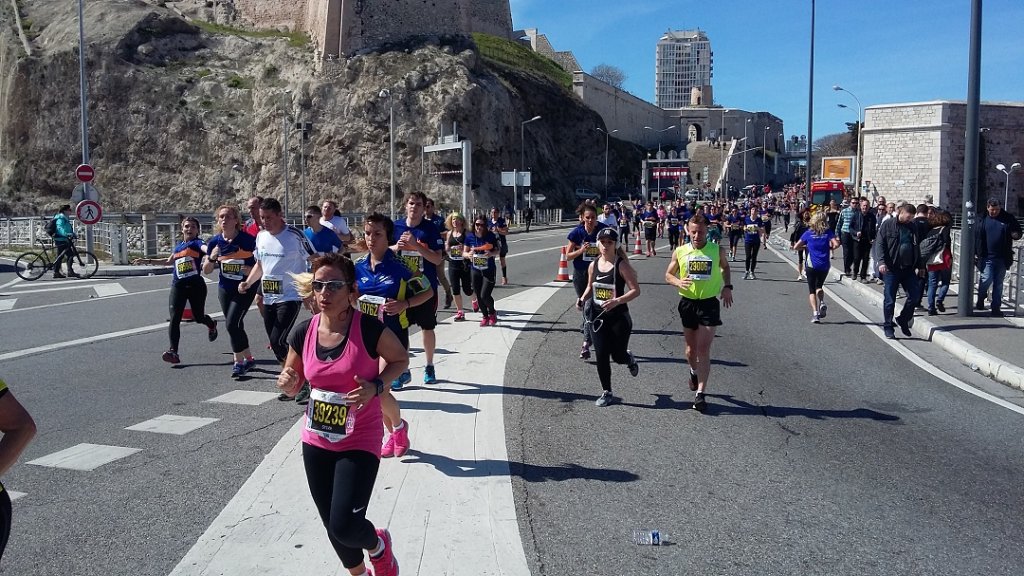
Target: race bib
{"x":455,"y":253}
{"x":698,"y":267}
{"x":649,"y":224}
{"x":590,"y":254}
{"x":673,"y":221}
{"x":751,"y":228}
{"x":413,"y":260}
{"x":232,"y":269}
{"x":272,"y":285}
{"x":603,"y":292}
{"x":328,"y":415}
{"x":185,"y":267}
{"x":372,"y":306}
{"x":480,"y":262}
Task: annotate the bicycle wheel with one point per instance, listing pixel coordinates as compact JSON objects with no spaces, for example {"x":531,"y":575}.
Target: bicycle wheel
{"x":31,"y":266}
{"x":87,"y":263}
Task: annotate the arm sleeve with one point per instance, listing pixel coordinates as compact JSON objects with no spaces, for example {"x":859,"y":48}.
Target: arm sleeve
{"x":372,"y":329}
{"x":297,"y":339}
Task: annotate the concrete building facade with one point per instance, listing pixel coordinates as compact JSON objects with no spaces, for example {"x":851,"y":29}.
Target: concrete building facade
{"x":683,"y":69}
{"x":917,"y":149}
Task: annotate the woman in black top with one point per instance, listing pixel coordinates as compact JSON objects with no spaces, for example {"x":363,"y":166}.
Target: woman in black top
{"x":458,"y":268}
{"x":801,"y":226}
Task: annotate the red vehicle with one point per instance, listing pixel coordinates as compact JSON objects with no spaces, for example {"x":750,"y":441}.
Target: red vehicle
{"x":824,"y":191}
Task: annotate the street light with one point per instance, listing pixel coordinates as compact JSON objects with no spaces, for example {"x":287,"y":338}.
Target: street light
{"x":385,"y":93}
{"x":1007,"y":171}
{"x":606,"y":136}
{"x":522,"y":160}
{"x":764,"y":153}
{"x":721,"y":154}
{"x":749,"y":120}
{"x":659,"y":138}
{"x":860,"y":122}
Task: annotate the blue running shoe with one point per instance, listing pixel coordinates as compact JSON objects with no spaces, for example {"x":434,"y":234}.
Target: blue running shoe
{"x":401,"y":381}
{"x":237,"y":370}
{"x":428,"y":375}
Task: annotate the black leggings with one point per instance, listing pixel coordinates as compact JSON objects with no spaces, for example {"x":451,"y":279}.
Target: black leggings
{"x":611,"y":339}
{"x":278,"y":320}
{"x":483,"y":284}
{"x":673,"y":236}
{"x":5,"y":518}
{"x":193,"y":291}
{"x":751,"y":250}
{"x":459,"y":278}
{"x":734,"y":239}
{"x":340,"y":483}
{"x":579,"y":283}
{"x":235,"y":306}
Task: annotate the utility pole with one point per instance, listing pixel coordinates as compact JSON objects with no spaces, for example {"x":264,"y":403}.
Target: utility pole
{"x":970,"y":189}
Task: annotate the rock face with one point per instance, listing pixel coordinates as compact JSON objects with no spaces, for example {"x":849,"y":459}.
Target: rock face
{"x":182,"y":119}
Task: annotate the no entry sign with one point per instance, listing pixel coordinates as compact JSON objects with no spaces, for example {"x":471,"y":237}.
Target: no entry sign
{"x":85,"y":173}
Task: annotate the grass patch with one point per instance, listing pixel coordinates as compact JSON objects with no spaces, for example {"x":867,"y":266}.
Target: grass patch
{"x":240,"y":82}
{"x":203,"y":72}
{"x":516,"y":55}
{"x":295,"y":39}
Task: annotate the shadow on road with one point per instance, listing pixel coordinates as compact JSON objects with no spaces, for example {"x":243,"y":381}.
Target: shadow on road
{"x":528,"y":472}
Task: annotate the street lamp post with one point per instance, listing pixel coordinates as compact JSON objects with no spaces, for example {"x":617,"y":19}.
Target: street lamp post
{"x":1007,"y":171}
{"x":764,"y":153}
{"x":607,"y":135}
{"x":721,"y":154}
{"x":860,"y":123}
{"x":749,"y":120}
{"x":385,"y":93}
{"x":522,"y":160}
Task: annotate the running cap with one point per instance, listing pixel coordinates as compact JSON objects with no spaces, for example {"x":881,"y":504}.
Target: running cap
{"x":608,"y":233}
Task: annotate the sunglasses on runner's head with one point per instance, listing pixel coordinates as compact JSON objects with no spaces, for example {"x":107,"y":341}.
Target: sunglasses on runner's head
{"x":330,"y":285}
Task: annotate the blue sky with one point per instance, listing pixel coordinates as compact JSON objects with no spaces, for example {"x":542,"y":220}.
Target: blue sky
{"x":883,"y":51}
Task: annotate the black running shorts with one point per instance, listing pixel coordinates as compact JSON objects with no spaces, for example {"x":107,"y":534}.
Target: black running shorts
{"x":424,"y":315}
{"x":815,"y":278}
{"x":650,"y":234}
{"x":694,"y":313}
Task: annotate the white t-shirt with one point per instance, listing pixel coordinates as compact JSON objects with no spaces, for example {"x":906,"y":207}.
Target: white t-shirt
{"x":278,"y":255}
{"x":608,"y":220}
{"x":339,"y":224}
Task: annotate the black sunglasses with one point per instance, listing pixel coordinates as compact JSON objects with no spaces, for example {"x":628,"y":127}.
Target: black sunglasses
{"x":330,"y":285}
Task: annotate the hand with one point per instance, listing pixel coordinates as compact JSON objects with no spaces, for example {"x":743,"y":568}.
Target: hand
{"x":609,"y":304}
{"x":883,"y":269}
{"x":407,"y":242}
{"x":360,"y":396}
{"x":394,"y":307}
{"x":685,"y":282}
{"x":215,"y":253}
{"x":585,"y":246}
{"x":243,"y":287}
{"x":579,"y":304}
{"x":288,"y":381}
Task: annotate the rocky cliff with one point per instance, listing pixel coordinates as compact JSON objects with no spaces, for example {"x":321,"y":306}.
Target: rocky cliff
{"x":185,"y":116}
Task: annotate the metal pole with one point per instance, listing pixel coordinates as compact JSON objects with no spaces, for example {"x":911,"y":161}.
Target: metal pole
{"x":747,"y":121}
{"x":284,"y":154}
{"x":810,"y":109}
{"x":391,"y":137}
{"x":85,"y":109}
{"x":522,"y":162}
{"x":970,"y":187}
{"x":606,"y":136}
{"x":764,"y":154}
{"x":302,"y":163}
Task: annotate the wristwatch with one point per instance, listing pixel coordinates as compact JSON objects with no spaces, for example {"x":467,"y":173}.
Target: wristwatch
{"x":379,"y":384}
{"x":729,"y":286}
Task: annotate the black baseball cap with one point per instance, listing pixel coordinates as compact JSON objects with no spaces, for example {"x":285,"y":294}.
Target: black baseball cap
{"x":608,"y":233}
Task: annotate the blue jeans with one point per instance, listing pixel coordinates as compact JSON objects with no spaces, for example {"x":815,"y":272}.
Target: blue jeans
{"x":992,"y":274}
{"x":938,"y":286}
{"x":911,"y":284}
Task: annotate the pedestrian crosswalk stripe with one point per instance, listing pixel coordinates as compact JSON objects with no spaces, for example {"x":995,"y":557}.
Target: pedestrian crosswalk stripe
{"x":84,"y":457}
{"x":247,"y":397}
{"x":112,"y":289}
{"x":7,"y":304}
{"x":172,"y":424}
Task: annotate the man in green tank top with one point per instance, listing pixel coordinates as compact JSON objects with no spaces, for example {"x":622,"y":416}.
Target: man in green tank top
{"x":700,"y":270}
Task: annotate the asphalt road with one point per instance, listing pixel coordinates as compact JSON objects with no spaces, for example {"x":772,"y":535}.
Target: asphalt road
{"x":823,"y":450}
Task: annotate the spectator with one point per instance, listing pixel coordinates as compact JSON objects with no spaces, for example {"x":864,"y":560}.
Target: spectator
{"x":528,"y":217}
{"x":993,"y":253}
{"x":899,"y":258}
{"x":865,"y":238}
{"x":64,"y":241}
{"x":937,"y":254}
{"x":847,"y":230}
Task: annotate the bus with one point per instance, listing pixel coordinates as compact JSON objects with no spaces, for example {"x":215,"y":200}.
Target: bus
{"x":825,"y":191}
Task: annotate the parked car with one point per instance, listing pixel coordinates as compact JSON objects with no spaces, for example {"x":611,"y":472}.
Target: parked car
{"x":584,"y":194}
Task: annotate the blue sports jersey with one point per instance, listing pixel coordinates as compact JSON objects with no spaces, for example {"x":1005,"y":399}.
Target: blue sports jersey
{"x":752,"y":230}
{"x":429,"y":236}
{"x":578,"y":236}
{"x":235,"y":255}
{"x":480,"y":261}
{"x":390,"y":279}
{"x":187,"y":260}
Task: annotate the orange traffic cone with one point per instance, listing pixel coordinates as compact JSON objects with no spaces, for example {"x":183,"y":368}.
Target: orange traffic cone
{"x":186,"y":314}
{"x":639,"y":249}
{"x":563,"y":268}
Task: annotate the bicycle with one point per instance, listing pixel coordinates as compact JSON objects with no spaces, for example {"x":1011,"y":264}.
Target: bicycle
{"x":32,"y":265}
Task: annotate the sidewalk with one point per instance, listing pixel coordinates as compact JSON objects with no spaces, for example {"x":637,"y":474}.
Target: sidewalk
{"x":983,"y":343}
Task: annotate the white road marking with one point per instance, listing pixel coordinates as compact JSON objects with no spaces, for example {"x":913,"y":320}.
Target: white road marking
{"x":7,"y":304}
{"x":11,"y":283}
{"x":74,"y":302}
{"x":28,"y":290}
{"x":84,"y":457}
{"x":14,"y":494}
{"x":172,"y":424}
{"x":112,"y":289}
{"x":246,"y":397}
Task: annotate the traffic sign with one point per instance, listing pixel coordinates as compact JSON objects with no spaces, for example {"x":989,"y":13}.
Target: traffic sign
{"x":534,"y":198}
{"x":85,"y":173}
{"x":509,"y":179}
{"x":88,"y":212}
{"x":85,"y":192}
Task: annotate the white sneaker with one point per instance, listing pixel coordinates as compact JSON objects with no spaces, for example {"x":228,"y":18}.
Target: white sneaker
{"x":816,"y":319}
{"x":746,"y":275}
{"x":753,"y":276}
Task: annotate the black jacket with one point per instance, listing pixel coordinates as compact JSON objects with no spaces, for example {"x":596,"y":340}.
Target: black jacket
{"x":1005,"y":225}
{"x":868,"y":227}
{"x":887,"y":244}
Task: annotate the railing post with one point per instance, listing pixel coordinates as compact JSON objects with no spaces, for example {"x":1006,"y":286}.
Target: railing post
{"x":149,"y":234}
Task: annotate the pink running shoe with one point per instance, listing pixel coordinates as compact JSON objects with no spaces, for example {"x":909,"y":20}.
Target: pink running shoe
{"x":494,"y":320}
{"x":388,"y":449}
{"x":484,"y":321}
{"x":386,"y":564}
{"x":460,"y":316}
{"x":476,"y":306}
{"x":401,"y":440}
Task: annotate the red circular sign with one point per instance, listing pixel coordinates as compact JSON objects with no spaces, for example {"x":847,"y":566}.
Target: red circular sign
{"x":88,"y":212}
{"x":85,"y":173}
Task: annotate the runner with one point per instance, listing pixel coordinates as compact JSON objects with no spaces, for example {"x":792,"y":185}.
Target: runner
{"x":439,"y":221}
{"x":582,"y":250}
{"x":322,"y":238}
{"x":18,"y":428}
{"x":231,"y":251}
{"x":673,"y":227}
{"x":459,"y":276}
{"x":345,"y":356}
{"x":479,"y":250}
{"x":819,"y":240}
{"x":753,"y":228}
{"x":766,"y":219}
{"x":252,"y":227}
{"x":187,"y":286}
{"x":499,"y":226}
{"x":624,"y":226}
{"x":701,"y":273}
{"x":280,"y":249}
{"x":735,"y":223}
{"x":651,"y":223}
{"x":801,"y":226}
{"x":387,"y":289}
{"x":419,"y":244}
{"x":611,"y":284}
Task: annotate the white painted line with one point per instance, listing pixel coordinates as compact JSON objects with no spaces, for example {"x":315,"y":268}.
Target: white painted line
{"x":90,"y":299}
{"x":171,"y":424}
{"x":84,"y":457}
{"x":7,"y":304}
{"x":874,"y":328}
{"x":449,"y":500}
{"x":14,"y":494}
{"x":112,"y":289}
{"x":63,"y":288}
{"x":11,"y":283}
{"x":246,"y":397}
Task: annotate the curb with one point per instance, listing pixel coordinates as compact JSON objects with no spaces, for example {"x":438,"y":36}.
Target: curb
{"x":969,"y":355}
{"x":114,"y":272}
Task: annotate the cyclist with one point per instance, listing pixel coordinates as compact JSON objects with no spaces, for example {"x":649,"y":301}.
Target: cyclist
{"x":64,"y":242}
{"x":231,"y":251}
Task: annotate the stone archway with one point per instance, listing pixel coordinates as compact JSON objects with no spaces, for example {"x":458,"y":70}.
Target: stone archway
{"x":694,"y":133}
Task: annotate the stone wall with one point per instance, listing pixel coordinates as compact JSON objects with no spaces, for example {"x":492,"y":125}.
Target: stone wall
{"x":273,"y":14}
{"x":623,"y":112}
{"x":917,"y":149}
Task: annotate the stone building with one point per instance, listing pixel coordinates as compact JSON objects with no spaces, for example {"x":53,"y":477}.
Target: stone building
{"x":917,"y":149}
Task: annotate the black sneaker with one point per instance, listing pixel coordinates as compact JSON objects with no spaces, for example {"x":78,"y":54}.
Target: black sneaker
{"x":905,"y":327}
{"x":73,"y":274}
{"x":211,"y":334}
{"x":634,"y":368}
{"x":890,"y":333}
{"x":605,"y":399}
{"x":699,"y":403}
{"x":171,"y":357}
{"x":979,"y":305}
{"x":940,"y":307}
{"x":57,"y":275}
{"x":693,"y":381}
{"x":303,"y":396}
{"x":997,"y":313}
{"x":447,"y":300}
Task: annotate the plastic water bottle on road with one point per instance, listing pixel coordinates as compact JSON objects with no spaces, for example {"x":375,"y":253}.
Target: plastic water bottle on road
{"x":648,"y":537}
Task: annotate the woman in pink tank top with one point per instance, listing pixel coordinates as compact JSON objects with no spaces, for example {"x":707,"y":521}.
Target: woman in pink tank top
{"x":339,"y":352}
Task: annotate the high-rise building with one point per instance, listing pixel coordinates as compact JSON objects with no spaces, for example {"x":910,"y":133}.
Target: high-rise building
{"x":683,"y":63}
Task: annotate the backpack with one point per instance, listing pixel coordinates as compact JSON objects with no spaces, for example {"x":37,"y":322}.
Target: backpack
{"x":933,"y":243}
{"x":51,"y":227}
